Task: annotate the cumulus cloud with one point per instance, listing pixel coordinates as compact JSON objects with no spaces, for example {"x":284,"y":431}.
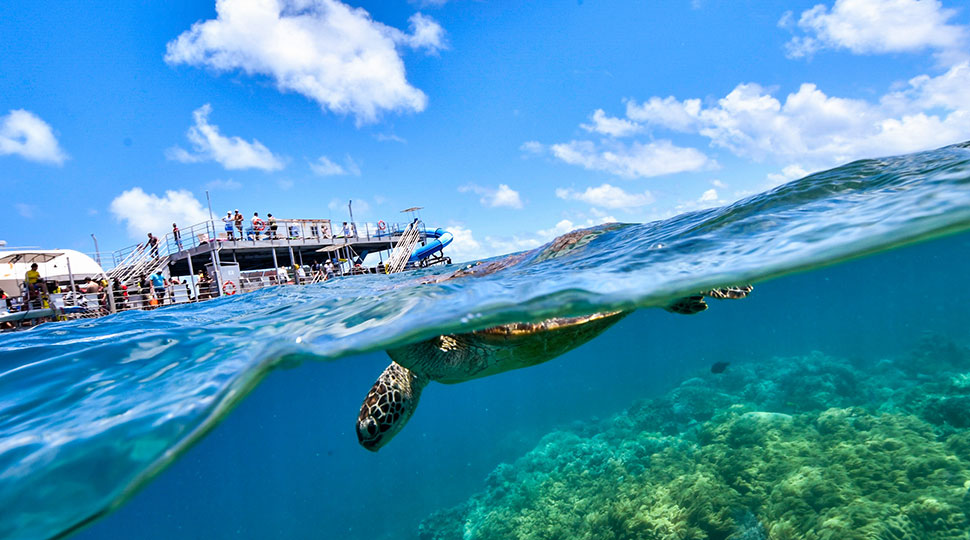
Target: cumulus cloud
{"x":149,"y":213}
{"x":789,"y":173}
{"x":817,"y":130}
{"x":612,"y":126}
{"x":465,"y":247}
{"x":231,"y":152}
{"x":636,"y":160}
{"x":323,"y":166}
{"x":668,"y":112}
{"x":332,"y":53}
{"x":708,"y":196}
{"x":24,"y":134}
{"x":607,"y":196}
{"x":879,"y":26}
{"x":503,"y":196}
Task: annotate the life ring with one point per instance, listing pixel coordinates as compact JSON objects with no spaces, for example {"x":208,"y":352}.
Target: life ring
{"x":229,"y":288}
{"x":259,"y":225}
{"x":381,"y":225}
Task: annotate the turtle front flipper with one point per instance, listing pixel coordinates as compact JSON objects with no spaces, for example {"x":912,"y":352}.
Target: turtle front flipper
{"x":730,"y":293}
{"x":388,"y":406}
{"x":690,"y":305}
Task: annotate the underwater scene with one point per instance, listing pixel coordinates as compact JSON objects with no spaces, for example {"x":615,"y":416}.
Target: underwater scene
{"x":619,"y":382}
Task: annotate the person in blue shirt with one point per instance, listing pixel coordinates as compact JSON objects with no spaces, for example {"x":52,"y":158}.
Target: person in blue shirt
{"x":158,"y":283}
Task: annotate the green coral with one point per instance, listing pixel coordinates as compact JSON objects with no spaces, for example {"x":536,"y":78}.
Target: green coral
{"x":893,"y":467}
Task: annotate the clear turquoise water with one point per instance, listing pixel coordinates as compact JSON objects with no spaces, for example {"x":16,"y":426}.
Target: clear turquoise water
{"x":101,"y":415}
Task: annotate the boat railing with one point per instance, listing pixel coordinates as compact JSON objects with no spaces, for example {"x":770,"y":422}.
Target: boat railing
{"x":286,"y":231}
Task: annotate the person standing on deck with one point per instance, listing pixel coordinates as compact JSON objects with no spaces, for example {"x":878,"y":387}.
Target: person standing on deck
{"x":272,"y":226}
{"x":177,"y":235}
{"x":158,"y":283}
{"x":239,"y":224}
{"x":228,"y":220}
{"x":153,"y":245}
{"x":258,"y":225}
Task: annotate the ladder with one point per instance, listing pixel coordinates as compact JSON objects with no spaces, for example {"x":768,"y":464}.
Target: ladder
{"x":403,"y":250}
{"x":143,"y":263}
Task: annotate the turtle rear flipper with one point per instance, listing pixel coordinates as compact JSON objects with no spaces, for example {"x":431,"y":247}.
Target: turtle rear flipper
{"x":689,"y":305}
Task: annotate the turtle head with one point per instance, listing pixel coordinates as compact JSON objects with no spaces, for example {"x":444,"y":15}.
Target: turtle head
{"x":388,"y":406}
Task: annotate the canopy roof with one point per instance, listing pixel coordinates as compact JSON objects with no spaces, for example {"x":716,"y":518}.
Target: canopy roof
{"x":30,"y":257}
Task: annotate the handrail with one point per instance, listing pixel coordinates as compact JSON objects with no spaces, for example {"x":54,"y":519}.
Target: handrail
{"x":405,"y":247}
{"x":287,"y":229}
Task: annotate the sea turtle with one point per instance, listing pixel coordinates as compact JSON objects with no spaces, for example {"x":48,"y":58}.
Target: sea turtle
{"x":456,"y":358}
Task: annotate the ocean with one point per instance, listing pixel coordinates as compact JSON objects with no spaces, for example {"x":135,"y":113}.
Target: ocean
{"x":839,"y":406}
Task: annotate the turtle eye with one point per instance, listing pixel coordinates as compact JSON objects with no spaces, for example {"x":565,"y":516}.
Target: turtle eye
{"x":368,"y":433}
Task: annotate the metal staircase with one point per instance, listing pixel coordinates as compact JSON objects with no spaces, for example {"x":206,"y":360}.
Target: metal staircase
{"x":403,"y":250}
{"x":140,"y":261}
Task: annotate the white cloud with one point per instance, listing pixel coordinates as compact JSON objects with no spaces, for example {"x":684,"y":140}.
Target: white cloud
{"x":819,"y":130}
{"x":465,"y":247}
{"x":150,"y":213}
{"x":28,"y":211}
{"x":638,"y":160}
{"x":425,"y":33}
{"x":384,"y":137}
{"x":880,"y":26}
{"x":224,"y":185}
{"x":718,"y":184}
{"x":607,"y":196}
{"x":324,"y":167}
{"x":667,"y":112}
{"x":560,"y":228}
{"x":232,"y":153}
{"x":24,"y":134}
{"x":608,"y":125}
{"x":708,"y":196}
{"x":532,"y":147}
{"x":789,"y":173}
{"x":328,"y":51}
{"x":504,"y":196}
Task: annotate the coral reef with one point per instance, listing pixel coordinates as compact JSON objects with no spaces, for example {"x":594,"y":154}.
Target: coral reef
{"x":812,"y":447}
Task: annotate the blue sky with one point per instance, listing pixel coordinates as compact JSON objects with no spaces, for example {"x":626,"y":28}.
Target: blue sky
{"x":509,"y":122}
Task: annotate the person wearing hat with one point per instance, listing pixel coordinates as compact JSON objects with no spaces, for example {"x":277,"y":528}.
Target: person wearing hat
{"x":228,"y":220}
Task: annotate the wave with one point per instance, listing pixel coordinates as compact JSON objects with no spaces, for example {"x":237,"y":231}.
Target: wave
{"x":91,"y":410}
